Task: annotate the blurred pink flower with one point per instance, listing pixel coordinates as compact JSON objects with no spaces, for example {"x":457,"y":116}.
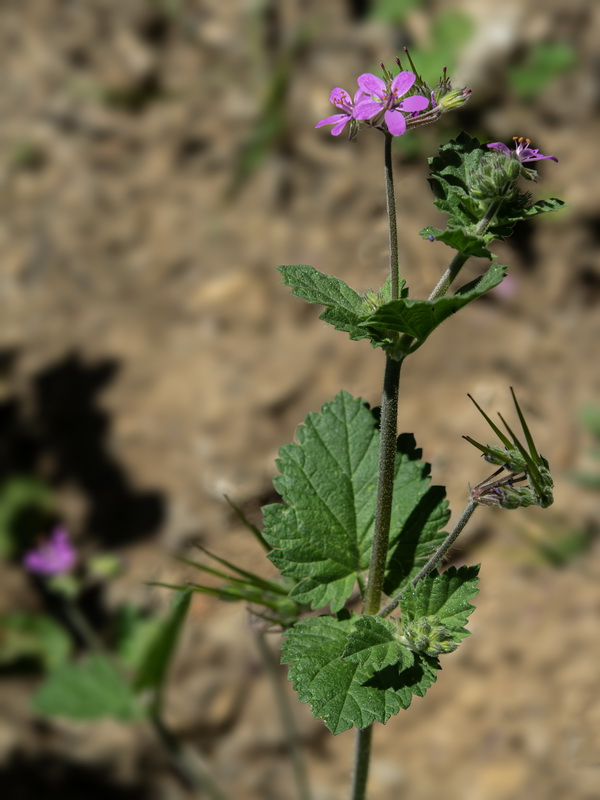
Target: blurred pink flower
{"x":54,"y":557}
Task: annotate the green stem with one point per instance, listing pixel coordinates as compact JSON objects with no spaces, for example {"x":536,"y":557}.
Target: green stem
{"x":388,"y":431}
{"x":390,"y":199}
{"x":362,"y":755}
{"x":385,"y":485}
{"x":460,"y":259}
{"x":287,"y":718}
{"x":189,"y":766}
{"x":435,"y":559}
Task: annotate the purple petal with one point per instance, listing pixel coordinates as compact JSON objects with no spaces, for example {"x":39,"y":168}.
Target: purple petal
{"x":402,"y":83}
{"x":415,"y":103}
{"x":533,"y":155}
{"x":371,"y":84}
{"x":339,"y":97}
{"x":337,"y":129}
{"x":395,"y":122}
{"x":367,"y":109}
{"x":333,"y":120}
{"x":501,"y":146}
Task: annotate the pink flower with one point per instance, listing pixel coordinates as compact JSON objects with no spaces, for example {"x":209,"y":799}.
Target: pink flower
{"x":340,"y":99}
{"x":54,"y":557}
{"x":522,"y":150}
{"x":383,"y":97}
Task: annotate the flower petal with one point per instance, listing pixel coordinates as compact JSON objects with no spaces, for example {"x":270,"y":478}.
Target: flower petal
{"x":367,"y":109}
{"x":415,"y":103}
{"x":333,"y":120}
{"x":337,"y":129}
{"x":339,"y":96}
{"x":371,"y":84}
{"x":501,"y":146}
{"x":402,"y":83}
{"x":395,"y":122}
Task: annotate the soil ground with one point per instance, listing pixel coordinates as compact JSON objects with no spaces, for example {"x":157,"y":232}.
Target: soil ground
{"x":152,"y":362}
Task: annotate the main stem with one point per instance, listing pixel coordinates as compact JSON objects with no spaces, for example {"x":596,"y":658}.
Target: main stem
{"x":388,"y":428}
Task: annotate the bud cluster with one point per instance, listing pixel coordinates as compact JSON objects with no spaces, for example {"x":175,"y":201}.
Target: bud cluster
{"x":429,"y":636}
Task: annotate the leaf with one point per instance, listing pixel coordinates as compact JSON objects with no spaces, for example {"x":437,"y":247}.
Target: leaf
{"x":156,"y":662}
{"x":90,"y":690}
{"x":27,"y":636}
{"x":25,"y":504}
{"x":453,"y":180}
{"x":468,"y":243}
{"x":322,"y":533}
{"x":344,"y":693}
{"x":345,"y":308}
{"x":419,"y":318}
{"x":542,"y":206}
{"x":374,"y":643}
{"x":445,"y":596}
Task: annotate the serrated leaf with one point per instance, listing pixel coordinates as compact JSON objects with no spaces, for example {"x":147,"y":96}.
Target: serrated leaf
{"x":323,"y":531}
{"x":37,"y":637}
{"x":451,"y":180}
{"x":468,"y":243}
{"x":445,"y":596}
{"x":419,"y":318}
{"x":90,"y":690}
{"x":155,"y":663}
{"x":340,"y":691}
{"x":374,"y":643}
{"x":543,"y":206}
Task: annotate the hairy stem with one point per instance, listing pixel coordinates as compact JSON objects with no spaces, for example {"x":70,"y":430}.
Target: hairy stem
{"x":390,"y":200}
{"x":362,"y":755}
{"x":287,"y":718}
{"x":435,"y":559}
{"x":385,"y":485}
{"x":460,"y":259}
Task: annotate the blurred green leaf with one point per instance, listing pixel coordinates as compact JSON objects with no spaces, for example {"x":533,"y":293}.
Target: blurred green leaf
{"x":544,"y":62}
{"x":25,"y":503}
{"x":90,"y":690}
{"x":155,"y":663}
{"x":36,"y":637}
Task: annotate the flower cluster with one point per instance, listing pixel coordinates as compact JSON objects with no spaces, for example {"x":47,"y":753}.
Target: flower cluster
{"x":392,"y":105}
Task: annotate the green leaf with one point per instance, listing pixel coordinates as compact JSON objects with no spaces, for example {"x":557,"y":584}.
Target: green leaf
{"x":33,"y":636}
{"x":374,"y":643}
{"x":445,"y":596}
{"x":90,"y":690}
{"x":542,"y":206}
{"x":345,"y":308}
{"x":161,"y":649}
{"x":342,"y":692}
{"x":24,"y":507}
{"x":467,"y":243}
{"x":419,"y":318}
{"x":322,"y":533}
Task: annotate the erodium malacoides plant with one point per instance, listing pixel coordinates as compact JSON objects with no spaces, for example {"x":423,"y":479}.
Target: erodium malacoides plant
{"x":360,"y":526}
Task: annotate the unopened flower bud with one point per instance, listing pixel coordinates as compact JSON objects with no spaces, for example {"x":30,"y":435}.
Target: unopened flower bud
{"x":429,"y":636}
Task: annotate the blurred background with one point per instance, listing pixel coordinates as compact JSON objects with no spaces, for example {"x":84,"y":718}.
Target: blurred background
{"x":158,"y":160}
